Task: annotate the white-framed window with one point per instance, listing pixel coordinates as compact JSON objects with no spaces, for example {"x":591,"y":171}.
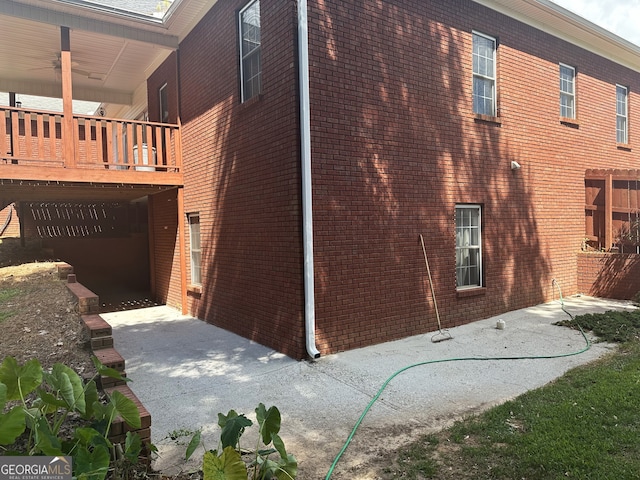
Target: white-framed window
{"x":468,"y":246}
{"x":250,"y":56}
{"x":196,"y":252}
{"x":622,"y":110}
{"x":163,"y":104}
{"x":567,"y":91}
{"x":484,"y":74}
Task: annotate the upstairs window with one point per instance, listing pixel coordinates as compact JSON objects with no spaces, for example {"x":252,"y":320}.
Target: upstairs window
{"x":484,"y":75}
{"x":468,"y":246}
{"x":250,"y":58}
{"x":621,"y":114}
{"x":567,"y":91}
{"x":196,"y":252}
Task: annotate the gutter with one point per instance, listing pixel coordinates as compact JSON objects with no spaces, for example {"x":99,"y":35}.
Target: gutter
{"x":307,"y":203}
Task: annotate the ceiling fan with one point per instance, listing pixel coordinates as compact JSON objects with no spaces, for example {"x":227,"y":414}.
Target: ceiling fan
{"x":57,"y":66}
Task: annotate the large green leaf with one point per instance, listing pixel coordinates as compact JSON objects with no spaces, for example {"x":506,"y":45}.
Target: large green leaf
{"x":233,"y":429}
{"x":287,"y":468}
{"x":269,"y":421}
{"x":20,"y":380}
{"x":47,"y":442}
{"x":193,"y":444}
{"x":69,"y":385}
{"x":222,"y":419}
{"x":279,"y":446}
{"x":227,"y":466}
{"x":90,"y":398}
{"x":12,"y":424}
{"x":126,"y":408}
{"x":91,"y":465}
{"x":3,"y":396}
{"x":48,"y":402}
{"x":105,"y":371}
{"x":90,"y":437}
{"x":132,"y":447}
{"x":32,"y":416}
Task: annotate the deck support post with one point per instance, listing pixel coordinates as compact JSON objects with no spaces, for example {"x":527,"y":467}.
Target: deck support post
{"x":67,"y":98}
{"x":183,"y":254}
{"x":608,"y":211}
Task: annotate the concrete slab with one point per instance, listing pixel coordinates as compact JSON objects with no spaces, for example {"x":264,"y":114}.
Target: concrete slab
{"x":186,"y":371}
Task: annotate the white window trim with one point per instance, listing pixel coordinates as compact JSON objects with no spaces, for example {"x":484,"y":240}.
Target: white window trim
{"x":480,"y":284}
{"x":625,"y":116}
{"x":240,"y":33}
{"x":572,"y":95}
{"x":197,"y":282}
{"x":494,"y":73}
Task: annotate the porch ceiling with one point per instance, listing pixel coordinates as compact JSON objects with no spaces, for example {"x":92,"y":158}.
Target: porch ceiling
{"x":112,"y":53}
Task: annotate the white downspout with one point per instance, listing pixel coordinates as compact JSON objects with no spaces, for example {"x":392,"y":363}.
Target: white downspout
{"x":305,"y":154}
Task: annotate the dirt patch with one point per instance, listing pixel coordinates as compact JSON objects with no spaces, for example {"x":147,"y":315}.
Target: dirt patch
{"x":39,"y":316}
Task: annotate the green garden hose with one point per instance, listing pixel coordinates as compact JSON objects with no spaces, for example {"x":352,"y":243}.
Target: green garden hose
{"x":462,"y":359}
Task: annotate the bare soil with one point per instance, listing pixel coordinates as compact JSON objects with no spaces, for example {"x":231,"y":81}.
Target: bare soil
{"x":40,"y":318}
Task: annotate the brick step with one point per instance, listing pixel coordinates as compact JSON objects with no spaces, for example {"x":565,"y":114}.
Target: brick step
{"x":110,"y":357}
{"x":101,"y":342}
{"x":88,"y":301}
{"x":108,"y":382}
{"x":97,"y":326}
{"x":119,"y":428}
{"x":99,"y":331}
{"x":64,"y":269}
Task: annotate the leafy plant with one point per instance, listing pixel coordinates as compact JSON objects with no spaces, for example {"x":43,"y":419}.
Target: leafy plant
{"x":40,"y":403}
{"x":226,"y":462}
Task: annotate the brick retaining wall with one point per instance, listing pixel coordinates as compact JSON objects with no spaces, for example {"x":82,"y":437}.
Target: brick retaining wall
{"x":101,"y":338}
{"x":609,"y":275}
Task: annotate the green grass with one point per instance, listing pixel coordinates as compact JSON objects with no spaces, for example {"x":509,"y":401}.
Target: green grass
{"x":416,"y":461}
{"x":5,"y":295}
{"x":585,"y":425}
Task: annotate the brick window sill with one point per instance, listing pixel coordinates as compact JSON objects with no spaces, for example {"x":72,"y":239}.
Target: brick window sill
{"x":569,"y":122}
{"x":471,"y":292}
{"x":478,"y":117}
{"x":252,"y":101}
{"x":623,"y":146}
{"x":195,"y":290}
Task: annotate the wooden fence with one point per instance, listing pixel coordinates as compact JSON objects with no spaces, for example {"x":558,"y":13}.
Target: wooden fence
{"x":612,"y":210}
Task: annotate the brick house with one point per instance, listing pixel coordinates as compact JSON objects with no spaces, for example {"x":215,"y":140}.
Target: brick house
{"x":307,"y":145}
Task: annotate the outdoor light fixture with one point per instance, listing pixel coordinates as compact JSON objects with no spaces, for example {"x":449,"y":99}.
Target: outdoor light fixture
{"x":515,"y":165}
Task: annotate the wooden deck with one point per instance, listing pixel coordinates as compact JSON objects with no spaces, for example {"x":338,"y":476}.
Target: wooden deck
{"x":36,"y":150}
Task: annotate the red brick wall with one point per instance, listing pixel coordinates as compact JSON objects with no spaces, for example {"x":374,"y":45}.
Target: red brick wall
{"x":609,"y":275}
{"x":242,"y":176}
{"x":165,"y":258}
{"x":104,"y":263}
{"x":396,"y":146}
{"x":166,"y":73}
